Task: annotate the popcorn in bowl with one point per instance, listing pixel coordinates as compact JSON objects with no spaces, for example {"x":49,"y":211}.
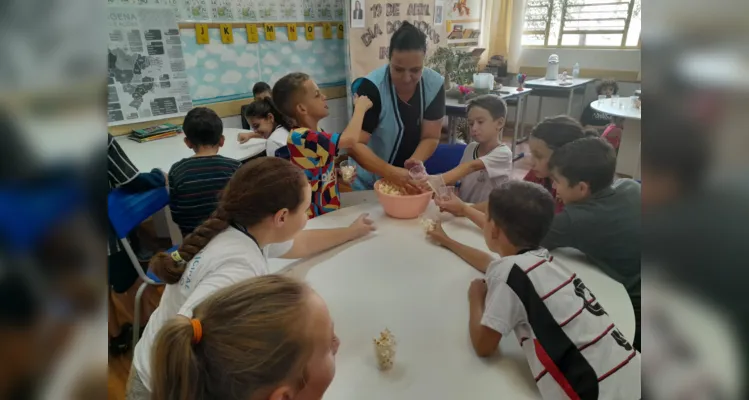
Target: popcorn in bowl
{"x":390,"y":189}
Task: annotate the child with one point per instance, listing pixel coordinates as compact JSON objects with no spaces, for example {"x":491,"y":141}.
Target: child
{"x":573,"y":348}
{"x":195,"y":182}
{"x":260,"y":215}
{"x":547,"y":136}
{"x":596,"y":119}
{"x":272,"y":335}
{"x":268,"y":123}
{"x":299,"y":98}
{"x":260,"y":91}
{"x":486,"y":162}
{"x":600,"y":220}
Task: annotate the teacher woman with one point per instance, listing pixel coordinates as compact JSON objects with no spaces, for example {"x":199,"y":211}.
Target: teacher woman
{"x":404,"y":124}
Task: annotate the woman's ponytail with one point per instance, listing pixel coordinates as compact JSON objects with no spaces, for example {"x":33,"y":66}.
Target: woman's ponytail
{"x":590,"y":132}
{"x":170,"y":267}
{"x":176,"y":374}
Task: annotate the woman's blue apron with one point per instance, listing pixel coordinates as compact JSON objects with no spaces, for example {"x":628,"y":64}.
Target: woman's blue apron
{"x":387,"y":137}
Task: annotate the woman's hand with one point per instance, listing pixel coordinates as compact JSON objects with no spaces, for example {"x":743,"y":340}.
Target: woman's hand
{"x":245,"y":136}
{"x":400,"y":177}
{"x":438,"y":235}
{"x":361,"y":227}
{"x":362,"y":103}
{"x":454,"y":205}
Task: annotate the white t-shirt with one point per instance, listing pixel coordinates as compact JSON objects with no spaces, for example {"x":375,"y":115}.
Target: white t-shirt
{"x":230,"y":257}
{"x":476,"y":186}
{"x":570,"y":342}
{"x":276,"y":140}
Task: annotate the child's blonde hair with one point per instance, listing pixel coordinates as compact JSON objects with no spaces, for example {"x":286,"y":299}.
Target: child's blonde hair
{"x":254,"y":338}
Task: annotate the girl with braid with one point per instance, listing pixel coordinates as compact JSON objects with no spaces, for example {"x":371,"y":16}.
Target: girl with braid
{"x":260,"y":215}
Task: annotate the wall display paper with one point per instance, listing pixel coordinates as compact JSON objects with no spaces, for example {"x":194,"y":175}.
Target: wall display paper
{"x":224,"y":72}
{"x":462,"y":9}
{"x":246,"y":10}
{"x":222,"y":10}
{"x":147,"y":74}
{"x":267,"y":10}
{"x":368,"y":46}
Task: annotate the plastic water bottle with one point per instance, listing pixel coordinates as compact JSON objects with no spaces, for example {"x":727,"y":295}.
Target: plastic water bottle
{"x":576,"y":70}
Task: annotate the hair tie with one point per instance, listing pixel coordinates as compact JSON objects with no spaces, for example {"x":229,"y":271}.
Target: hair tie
{"x":177,"y":257}
{"x":197,"y":330}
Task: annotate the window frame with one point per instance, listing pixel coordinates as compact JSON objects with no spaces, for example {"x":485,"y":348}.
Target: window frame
{"x":560,"y":21}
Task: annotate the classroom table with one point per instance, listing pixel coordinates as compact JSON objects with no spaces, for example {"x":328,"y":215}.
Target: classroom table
{"x":454,"y":109}
{"x":397,"y":279}
{"x":546,"y":87}
{"x":163,"y":153}
{"x":628,"y":159}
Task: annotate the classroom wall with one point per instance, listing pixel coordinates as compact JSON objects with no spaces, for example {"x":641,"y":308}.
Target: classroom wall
{"x":221,"y":72}
{"x":595,"y":59}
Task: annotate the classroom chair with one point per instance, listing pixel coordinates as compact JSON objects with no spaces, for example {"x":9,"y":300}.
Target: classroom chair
{"x":126,"y":212}
{"x":445,"y":158}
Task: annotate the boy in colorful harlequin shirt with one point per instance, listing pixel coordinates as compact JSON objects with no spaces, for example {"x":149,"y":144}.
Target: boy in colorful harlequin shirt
{"x":299,"y":98}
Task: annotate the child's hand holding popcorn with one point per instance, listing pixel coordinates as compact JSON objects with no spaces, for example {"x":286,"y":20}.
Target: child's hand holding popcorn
{"x":438,"y":235}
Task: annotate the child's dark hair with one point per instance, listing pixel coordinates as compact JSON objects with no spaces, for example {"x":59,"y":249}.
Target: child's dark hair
{"x":489,"y":102}
{"x":406,"y":38}
{"x":287,"y":90}
{"x":606,"y":83}
{"x":590,"y":160}
{"x":254,"y":338}
{"x":560,"y":130}
{"x":260,"y":87}
{"x":261,"y":109}
{"x":523,"y":210}
{"x":203,"y":127}
{"x":258,"y":189}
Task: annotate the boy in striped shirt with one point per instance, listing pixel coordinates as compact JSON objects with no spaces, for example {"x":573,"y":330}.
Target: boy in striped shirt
{"x":571,"y":344}
{"x":196,"y":182}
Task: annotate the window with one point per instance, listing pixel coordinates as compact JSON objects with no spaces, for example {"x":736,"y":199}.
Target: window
{"x":576,"y":23}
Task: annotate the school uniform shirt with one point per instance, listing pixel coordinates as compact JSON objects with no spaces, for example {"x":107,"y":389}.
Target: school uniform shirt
{"x":572,"y":346}
{"x":230,"y":257}
{"x":546,"y":183}
{"x":476,"y":186}
{"x":594,"y":118}
{"x":194,"y":186}
{"x":276,"y":140}
{"x":315,"y":153}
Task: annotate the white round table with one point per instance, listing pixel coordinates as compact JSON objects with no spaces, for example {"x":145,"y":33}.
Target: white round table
{"x":397,"y":279}
{"x":628,"y":159}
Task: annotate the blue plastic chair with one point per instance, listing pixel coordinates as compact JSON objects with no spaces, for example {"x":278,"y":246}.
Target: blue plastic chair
{"x":127,"y":211}
{"x":445,"y":158}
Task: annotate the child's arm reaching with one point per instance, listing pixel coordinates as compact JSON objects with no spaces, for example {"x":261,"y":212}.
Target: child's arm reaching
{"x":313,"y":241}
{"x":457,"y":173}
{"x":484,"y":339}
{"x":475,"y":257}
{"x":350,"y":135}
{"x":458,"y":208}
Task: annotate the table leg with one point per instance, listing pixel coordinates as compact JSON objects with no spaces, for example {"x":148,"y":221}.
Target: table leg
{"x":628,"y":159}
{"x":518,"y":113}
{"x":538,"y":112}
{"x":523,"y":98}
{"x":451,"y":129}
{"x":569,"y":102}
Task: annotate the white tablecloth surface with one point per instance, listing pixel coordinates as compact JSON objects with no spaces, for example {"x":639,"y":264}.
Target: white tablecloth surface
{"x":396,"y":279}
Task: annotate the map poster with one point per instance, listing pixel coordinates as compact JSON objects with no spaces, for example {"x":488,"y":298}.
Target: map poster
{"x":147,"y":78}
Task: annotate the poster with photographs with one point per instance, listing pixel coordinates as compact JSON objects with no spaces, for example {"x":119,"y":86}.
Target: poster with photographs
{"x":357,"y":13}
{"x":439,"y":12}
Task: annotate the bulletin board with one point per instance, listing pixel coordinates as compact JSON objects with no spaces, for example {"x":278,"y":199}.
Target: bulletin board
{"x":369,"y":37}
{"x":189,"y":73}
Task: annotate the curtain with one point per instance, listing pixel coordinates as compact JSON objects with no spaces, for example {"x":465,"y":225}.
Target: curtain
{"x":498,"y":25}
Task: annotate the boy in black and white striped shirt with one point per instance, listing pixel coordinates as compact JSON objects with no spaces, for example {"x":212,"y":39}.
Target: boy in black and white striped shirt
{"x":572,"y":346}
